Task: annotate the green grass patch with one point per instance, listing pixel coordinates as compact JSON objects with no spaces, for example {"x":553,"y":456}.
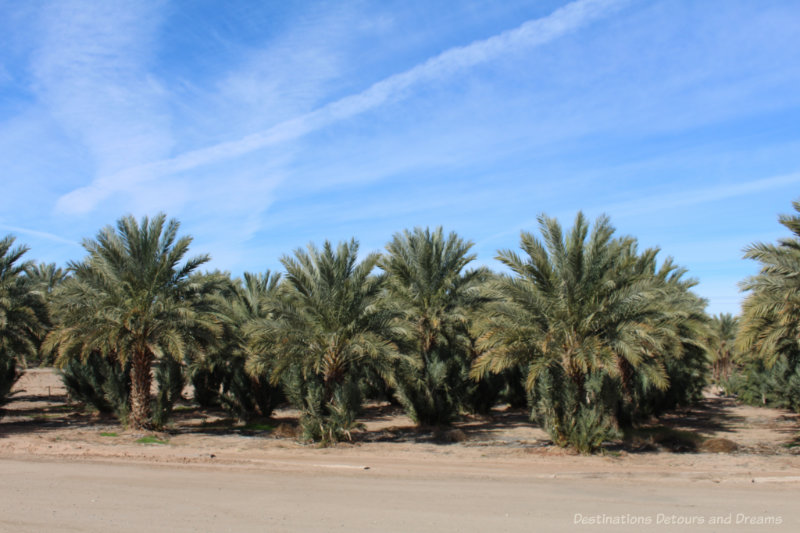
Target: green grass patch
{"x":109,"y":434}
{"x":150,"y":439}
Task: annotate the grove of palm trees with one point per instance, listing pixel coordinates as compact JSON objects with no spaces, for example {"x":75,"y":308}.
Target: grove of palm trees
{"x":592,"y":336}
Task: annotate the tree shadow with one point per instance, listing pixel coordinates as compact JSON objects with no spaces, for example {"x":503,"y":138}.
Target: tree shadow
{"x":50,"y":419}
{"x":708,"y":417}
{"x":469,"y":430}
{"x":190,"y":419}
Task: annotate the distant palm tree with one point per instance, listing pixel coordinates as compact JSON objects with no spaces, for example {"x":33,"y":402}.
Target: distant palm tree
{"x":255,"y":296}
{"x":770,"y":323}
{"x":427,"y":282}
{"x":23,"y":315}
{"x":322,"y":331}
{"x":133,"y":298}
{"x":45,"y":278}
{"x":724,"y":327}
{"x":243,"y":395}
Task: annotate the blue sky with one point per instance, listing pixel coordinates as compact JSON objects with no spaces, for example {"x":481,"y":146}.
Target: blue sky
{"x":263,"y":126}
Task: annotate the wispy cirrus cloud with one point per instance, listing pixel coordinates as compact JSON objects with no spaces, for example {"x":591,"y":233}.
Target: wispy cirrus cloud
{"x":698,"y":196}
{"x":90,"y":69}
{"x":452,"y":61}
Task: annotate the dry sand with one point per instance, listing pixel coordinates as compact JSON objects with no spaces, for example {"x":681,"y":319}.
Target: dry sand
{"x":66,"y":470}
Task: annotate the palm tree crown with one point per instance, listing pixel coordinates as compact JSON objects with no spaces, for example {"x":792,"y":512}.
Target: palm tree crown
{"x":576,"y":303}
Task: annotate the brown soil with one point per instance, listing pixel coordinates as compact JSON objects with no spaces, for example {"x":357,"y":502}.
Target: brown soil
{"x":438,"y":476}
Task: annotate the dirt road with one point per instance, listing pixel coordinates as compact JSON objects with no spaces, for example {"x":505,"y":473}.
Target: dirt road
{"x":89,"y":497}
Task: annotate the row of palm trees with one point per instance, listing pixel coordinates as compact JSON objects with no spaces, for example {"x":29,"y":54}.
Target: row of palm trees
{"x":588,"y":331}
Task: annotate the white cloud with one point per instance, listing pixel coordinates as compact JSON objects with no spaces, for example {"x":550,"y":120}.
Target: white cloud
{"x":454,"y":60}
{"x":90,"y":70}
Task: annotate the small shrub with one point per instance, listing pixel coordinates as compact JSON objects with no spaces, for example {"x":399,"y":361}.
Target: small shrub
{"x":326,"y":422}
{"x":434,"y":394}
{"x":99,"y":381}
{"x":589,"y":430}
{"x":569,"y":422}
{"x":775,"y":386}
{"x":246,"y":397}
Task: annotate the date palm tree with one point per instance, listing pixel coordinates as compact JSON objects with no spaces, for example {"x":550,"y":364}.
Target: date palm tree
{"x":723,"y":342}
{"x":321,"y":332}
{"x":45,"y":279}
{"x":132,"y":297}
{"x":219,"y":374}
{"x":579,"y":310}
{"x":437,"y":297}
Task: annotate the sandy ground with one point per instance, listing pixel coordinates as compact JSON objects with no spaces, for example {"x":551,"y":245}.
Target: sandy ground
{"x":67,"y":470}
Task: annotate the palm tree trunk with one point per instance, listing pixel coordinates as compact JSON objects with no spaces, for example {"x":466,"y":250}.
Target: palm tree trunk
{"x":141,"y":379}
{"x":623,"y":414}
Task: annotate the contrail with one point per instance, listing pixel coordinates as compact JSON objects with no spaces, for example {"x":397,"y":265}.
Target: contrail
{"x":530,"y":34}
{"x":36,"y":233}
